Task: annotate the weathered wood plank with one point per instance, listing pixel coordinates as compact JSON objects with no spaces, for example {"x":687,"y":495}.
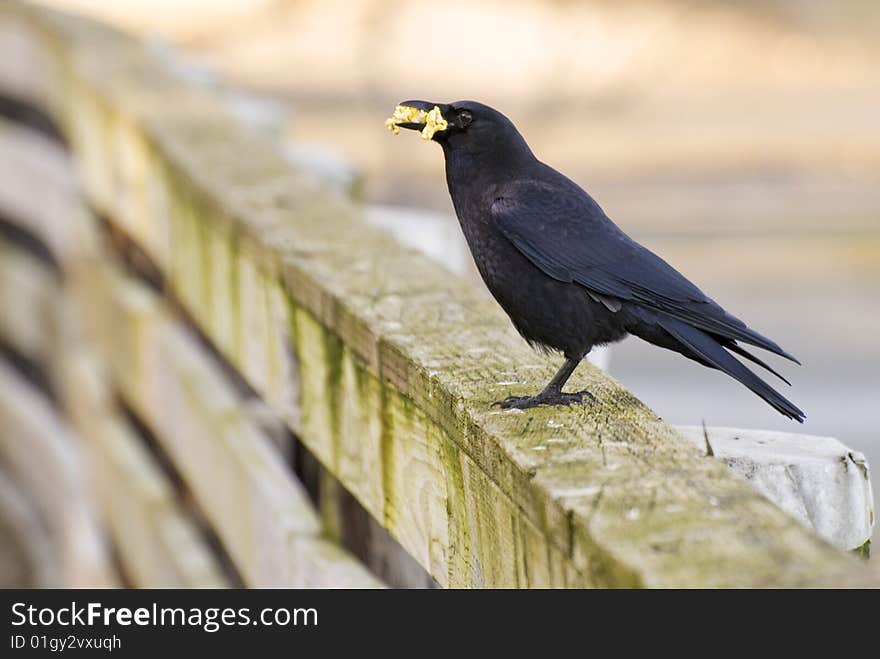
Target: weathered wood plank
{"x":39,"y":451}
{"x":157,"y":541}
{"x":27,"y":556}
{"x":39,"y":191}
{"x":23,"y":73}
{"x":390,"y":351}
{"x":277,"y":536}
{"x":28,"y":292}
{"x":251,"y":499}
{"x":40,"y":204}
{"x":347,"y":522}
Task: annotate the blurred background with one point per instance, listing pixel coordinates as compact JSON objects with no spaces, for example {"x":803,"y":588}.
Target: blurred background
{"x":739,"y":140}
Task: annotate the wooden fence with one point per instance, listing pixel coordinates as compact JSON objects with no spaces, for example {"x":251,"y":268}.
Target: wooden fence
{"x":258,"y":388}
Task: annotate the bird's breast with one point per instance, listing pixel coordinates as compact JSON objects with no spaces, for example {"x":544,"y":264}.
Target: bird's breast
{"x":559,"y":315}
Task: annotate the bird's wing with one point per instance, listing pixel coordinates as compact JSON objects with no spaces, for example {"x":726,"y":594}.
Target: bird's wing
{"x":562,"y":231}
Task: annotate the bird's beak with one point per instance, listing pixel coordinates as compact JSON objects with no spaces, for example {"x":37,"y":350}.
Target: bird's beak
{"x":427,"y":117}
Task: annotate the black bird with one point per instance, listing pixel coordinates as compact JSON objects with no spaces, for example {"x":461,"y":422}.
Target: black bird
{"x":567,"y":276}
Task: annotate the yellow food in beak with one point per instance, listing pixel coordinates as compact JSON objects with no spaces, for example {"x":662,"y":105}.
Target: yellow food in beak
{"x":403,"y":114}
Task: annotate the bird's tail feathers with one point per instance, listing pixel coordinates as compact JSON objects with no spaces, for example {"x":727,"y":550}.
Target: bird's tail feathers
{"x":709,"y":350}
{"x":742,"y":352}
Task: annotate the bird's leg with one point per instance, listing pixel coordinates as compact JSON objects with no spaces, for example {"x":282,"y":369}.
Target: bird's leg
{"x":552,"y":394}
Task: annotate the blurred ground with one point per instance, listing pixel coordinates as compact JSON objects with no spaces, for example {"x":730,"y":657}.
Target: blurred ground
{"x":740,"y":140}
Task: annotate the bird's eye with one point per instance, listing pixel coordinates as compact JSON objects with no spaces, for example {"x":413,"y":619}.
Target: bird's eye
{"x":465,"y":118}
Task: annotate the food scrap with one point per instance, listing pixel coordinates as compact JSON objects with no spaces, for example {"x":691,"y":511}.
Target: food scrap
{"x":404,"y":114}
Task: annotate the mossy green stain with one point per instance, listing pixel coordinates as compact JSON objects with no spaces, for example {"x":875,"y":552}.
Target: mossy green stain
{"x":235,"y":296}
{"x":864,"y":550}
{"x":333,"y":355}
{"x":273,"y":357}
{"x":460,"y":544}
{"x":390,"y":398}
{"x":206,"y":294}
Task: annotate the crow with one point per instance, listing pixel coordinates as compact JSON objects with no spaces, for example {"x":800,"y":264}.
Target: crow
{"x":567,"y":276}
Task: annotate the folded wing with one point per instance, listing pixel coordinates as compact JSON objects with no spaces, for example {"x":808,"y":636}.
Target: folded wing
{"x":562,"y":231}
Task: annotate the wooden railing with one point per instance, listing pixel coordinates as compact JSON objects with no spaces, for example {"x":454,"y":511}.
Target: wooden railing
{"x":228,"y":337}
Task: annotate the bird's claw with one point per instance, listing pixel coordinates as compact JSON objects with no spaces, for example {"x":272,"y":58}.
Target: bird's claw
{"x":524,"y":402}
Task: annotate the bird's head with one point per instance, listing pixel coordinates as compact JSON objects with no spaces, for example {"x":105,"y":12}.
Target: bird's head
{"x":459,"y":126}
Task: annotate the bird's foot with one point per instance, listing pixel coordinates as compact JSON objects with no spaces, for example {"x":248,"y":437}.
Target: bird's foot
{"x":555,"y":398}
